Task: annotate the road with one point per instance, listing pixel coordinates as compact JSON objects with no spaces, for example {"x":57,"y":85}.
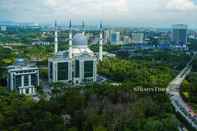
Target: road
{"x":173,"y":90}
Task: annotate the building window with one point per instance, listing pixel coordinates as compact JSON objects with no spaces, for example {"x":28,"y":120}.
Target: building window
{"x":88,"y":69}
{"x":63,"y":71}
{"x":26,"y":80}
{"x":51,"y":70}
{"x":34,"y":79}
{"x":18,"y":81}
{"x":77,"y":68}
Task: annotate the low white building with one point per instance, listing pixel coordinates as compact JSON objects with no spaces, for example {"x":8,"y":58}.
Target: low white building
{"x":43,"y":43}
{"x":23,"y":77}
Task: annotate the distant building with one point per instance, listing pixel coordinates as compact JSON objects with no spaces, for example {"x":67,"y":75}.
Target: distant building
{"x":3,"y":28}
{"x":192,"y":35}
{"x":179,"y":35}
{"x":137,"y":38}
{"x":23,"y":77}
{"x":127,"y":40}
{"x":43,"y":43}
{"x":106,"y":37}
{"x":115,"y":38}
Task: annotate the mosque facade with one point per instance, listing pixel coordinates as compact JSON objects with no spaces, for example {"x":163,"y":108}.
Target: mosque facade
{"x":78,"y":64}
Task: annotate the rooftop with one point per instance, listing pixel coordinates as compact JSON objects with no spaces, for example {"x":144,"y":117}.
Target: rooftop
{"x":22,"y":64}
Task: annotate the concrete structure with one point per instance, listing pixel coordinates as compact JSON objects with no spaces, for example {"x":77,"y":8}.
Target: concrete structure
{"x":23,"y":77}
{"x":137,"y":37}
{"x":115,"y":38}
{"x":77,"y":65}
{"x":179,"y":34}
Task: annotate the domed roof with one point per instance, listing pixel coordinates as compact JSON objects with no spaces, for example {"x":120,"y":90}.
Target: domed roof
{"x":20,"y":61}
{"x":79,"y":40}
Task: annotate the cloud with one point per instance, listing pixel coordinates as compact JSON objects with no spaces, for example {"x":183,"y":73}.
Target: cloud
{"x":88,"y":7}
{"x":119,"y":12}
{"x":180,"y":5}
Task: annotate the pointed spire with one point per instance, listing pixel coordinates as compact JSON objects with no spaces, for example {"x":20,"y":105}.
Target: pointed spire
{"x":83,"y":27}
{"x":55,"y":24}
{"x":101,"y":26}
{"x":70,"y":25}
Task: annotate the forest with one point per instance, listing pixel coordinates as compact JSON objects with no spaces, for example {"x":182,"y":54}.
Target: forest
{"x":97,"y":107}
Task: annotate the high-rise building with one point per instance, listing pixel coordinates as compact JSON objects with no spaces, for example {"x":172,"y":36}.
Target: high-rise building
{"x":23,"y":77}
{"x":115,"y":38}
{"x":137,"y":38}
{"x":179,"y":34}
{"x":78,"y":64}
{"x":106,"y":37}
{"x":127,"y":40}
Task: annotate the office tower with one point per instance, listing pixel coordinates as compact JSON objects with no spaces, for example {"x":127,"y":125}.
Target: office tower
{"x":126,"y":40}
{"x":115,"y":38}
{"x":179,"y":34}
{"x":106,"y":37}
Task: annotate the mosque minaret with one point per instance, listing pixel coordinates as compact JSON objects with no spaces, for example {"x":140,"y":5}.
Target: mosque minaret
{"x":101,"y":43}
{"x":56,"y":39}
{"x":70,"y":40}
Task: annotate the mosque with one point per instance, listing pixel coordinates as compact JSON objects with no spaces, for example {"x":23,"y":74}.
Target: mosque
{"x":78,"y":64}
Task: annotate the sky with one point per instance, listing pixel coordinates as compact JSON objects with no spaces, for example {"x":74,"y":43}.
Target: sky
{"x":155,"y":13}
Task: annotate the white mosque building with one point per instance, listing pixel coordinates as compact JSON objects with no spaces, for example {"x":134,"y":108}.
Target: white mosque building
{"x":78,"y":64}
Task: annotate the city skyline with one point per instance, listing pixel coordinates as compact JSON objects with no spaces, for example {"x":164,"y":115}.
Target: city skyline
{"x":162,"y":13}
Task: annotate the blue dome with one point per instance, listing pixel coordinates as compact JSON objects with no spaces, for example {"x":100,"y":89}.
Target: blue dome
{"x":20,"y":61}
{"x":79,"y":40}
